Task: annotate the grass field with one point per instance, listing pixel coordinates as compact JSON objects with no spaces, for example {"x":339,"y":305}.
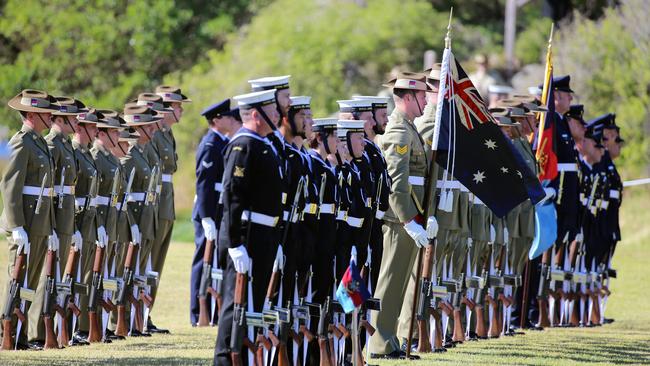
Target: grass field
{"x":627,"y":341}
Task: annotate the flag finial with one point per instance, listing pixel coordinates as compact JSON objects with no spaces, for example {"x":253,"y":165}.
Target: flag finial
{"x":448,"y":36}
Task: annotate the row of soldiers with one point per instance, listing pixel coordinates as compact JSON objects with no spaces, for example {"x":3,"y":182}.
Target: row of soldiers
{"x":89,"y":211}
{"x":290,"y":201}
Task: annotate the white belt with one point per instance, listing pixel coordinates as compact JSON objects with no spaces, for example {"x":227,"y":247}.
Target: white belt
{"x":613,"y":193}
{"x":567,"y":167}
{"x":341,"y":215}
{"x":136,"y":197}
{"x":36,"y":191}
{"x":477,"y":201}
{"x":327,"y":208}
{"x":604,"y":205}
{"x":64,"y":189}
{"x":354,"y":221}
{"x":102,"y":200}
{"x":310,"y":208}
{"x":167,"y":178}
{"x":380,"y":214}
{"x":118,"y":206}
{"x":448,"y":184}
{"x":81,"y":201}
{"x":259,"y":218}
{"x":218,"y":187}
{"x":416,"y":181}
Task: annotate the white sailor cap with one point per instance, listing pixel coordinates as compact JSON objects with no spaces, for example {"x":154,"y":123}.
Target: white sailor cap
{"x":343,"y":126}
{"x":499,"y":89}
{"x":255,"y":99}
{"x":355,"y":105}
{"x":377,"y":101}
{"x":535,"y":90}
{"x":270,"y":82}
{"x":324,"y":124}
{"x":300,"y":102}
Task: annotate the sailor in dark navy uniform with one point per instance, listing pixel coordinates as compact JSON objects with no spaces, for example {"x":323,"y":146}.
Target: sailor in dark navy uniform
{"x":206,"y":214}
{"x":252,"y":207}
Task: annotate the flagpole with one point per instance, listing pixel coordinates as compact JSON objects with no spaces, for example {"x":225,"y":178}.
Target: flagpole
{"x":547,"y":76}
{"x":430,"y":182}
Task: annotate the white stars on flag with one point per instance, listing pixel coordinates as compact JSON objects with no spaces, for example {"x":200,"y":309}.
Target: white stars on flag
{"x":504,"y":169}
{"x":478,"y":177}
{"x":490,"y":144}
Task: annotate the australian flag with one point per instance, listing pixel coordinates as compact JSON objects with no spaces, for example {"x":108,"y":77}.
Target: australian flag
{"x":352,"y":291}
{"x":474,"y":150}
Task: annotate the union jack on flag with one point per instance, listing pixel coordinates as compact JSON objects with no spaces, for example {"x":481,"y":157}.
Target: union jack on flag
{"x":468,"y":102}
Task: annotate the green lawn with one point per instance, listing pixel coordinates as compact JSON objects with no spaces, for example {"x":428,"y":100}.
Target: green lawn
{"x":627,"y":341}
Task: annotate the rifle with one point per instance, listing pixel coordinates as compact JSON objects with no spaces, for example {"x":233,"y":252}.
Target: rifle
{"x":428,"y":292}
{"x":66,"y":290}
{"x":366,"y":269}
{"x":239,"y":316}
{"x":324,"y":325}
{"x":61,"y":195}
{"x":205,"y":288}
{"x":496,"y":284}
{"x":49,"y":301}
{"x":95,"y":298}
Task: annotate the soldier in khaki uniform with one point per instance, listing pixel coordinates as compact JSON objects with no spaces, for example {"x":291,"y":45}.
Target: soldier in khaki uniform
{"x":165,"y":143}
{"x":111,"y":183}
{"x":28,"y":231}
{"x":404,"y":230}
{"x":65,"y":178}
{"x":91,"y":233}
{"x":140,"y":204}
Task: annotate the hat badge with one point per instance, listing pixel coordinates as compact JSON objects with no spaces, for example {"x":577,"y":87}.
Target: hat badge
{"x":34,"y":102}
{"x":136,"y":118}
{"x":82,"y":116}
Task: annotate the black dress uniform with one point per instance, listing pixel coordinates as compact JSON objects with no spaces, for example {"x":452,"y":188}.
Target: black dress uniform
{"x":209,"y":172}
{"x":252,"y":206}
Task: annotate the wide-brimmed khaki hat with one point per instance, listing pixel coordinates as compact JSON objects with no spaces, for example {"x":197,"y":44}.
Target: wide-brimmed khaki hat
{"x":110,"y":119}
{"x":503,"y":117}
{"x":126,"y":136}
{"x":153,"y":101}
{"x":88,"y":117}
{"x":409,"y":81}
{"x":171,"y":94}
{"x":31,"y":100}
{"x":433,"y":73}
{"x":139,"y":115}
{"x":69,"y":106}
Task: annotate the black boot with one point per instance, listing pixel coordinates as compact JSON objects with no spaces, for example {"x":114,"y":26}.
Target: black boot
{"x":151,"y":328}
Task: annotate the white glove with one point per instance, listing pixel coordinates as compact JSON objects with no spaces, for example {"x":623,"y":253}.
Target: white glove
{"x":505,"y":235}
{"x":432,"y":227}
{"x":209,"y":228}
{"x":580,"y":237}
{"x":279,"y":258}
{"x":353,"y":254}
{"x":417,"y":232}
{"x":77,"y":241}
{"x":19,"y":236}
{"x":240,"y":259}
{"x":102,"y":237}
{"x":493,"y":234}
{"x":53,"y":242}
{"x":135,"y":234}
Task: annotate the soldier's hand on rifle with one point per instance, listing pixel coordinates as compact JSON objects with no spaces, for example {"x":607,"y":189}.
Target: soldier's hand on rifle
{"x":53,"y":242}
{"x":353,"y":254}
{"x":135,"y":234}
{"x":417,"y":232}
{"x":102,"y":238}
{"x":209,"y":228}
{"x":493,"y":234}
{"x":240,"y":259}
{"x":580,"y":236}
{"x":77,"y":241}
{"x":279,"y":258}
{"x":432,"y":227}
{"x":20,"y":238}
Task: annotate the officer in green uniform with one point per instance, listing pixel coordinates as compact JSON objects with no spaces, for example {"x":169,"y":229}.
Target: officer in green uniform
{"x":86,"y":208}
{"x":404,"y":225}
{"x":29,"y":166}
{"x":166,"y":146}
{"x":141,"y":200}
